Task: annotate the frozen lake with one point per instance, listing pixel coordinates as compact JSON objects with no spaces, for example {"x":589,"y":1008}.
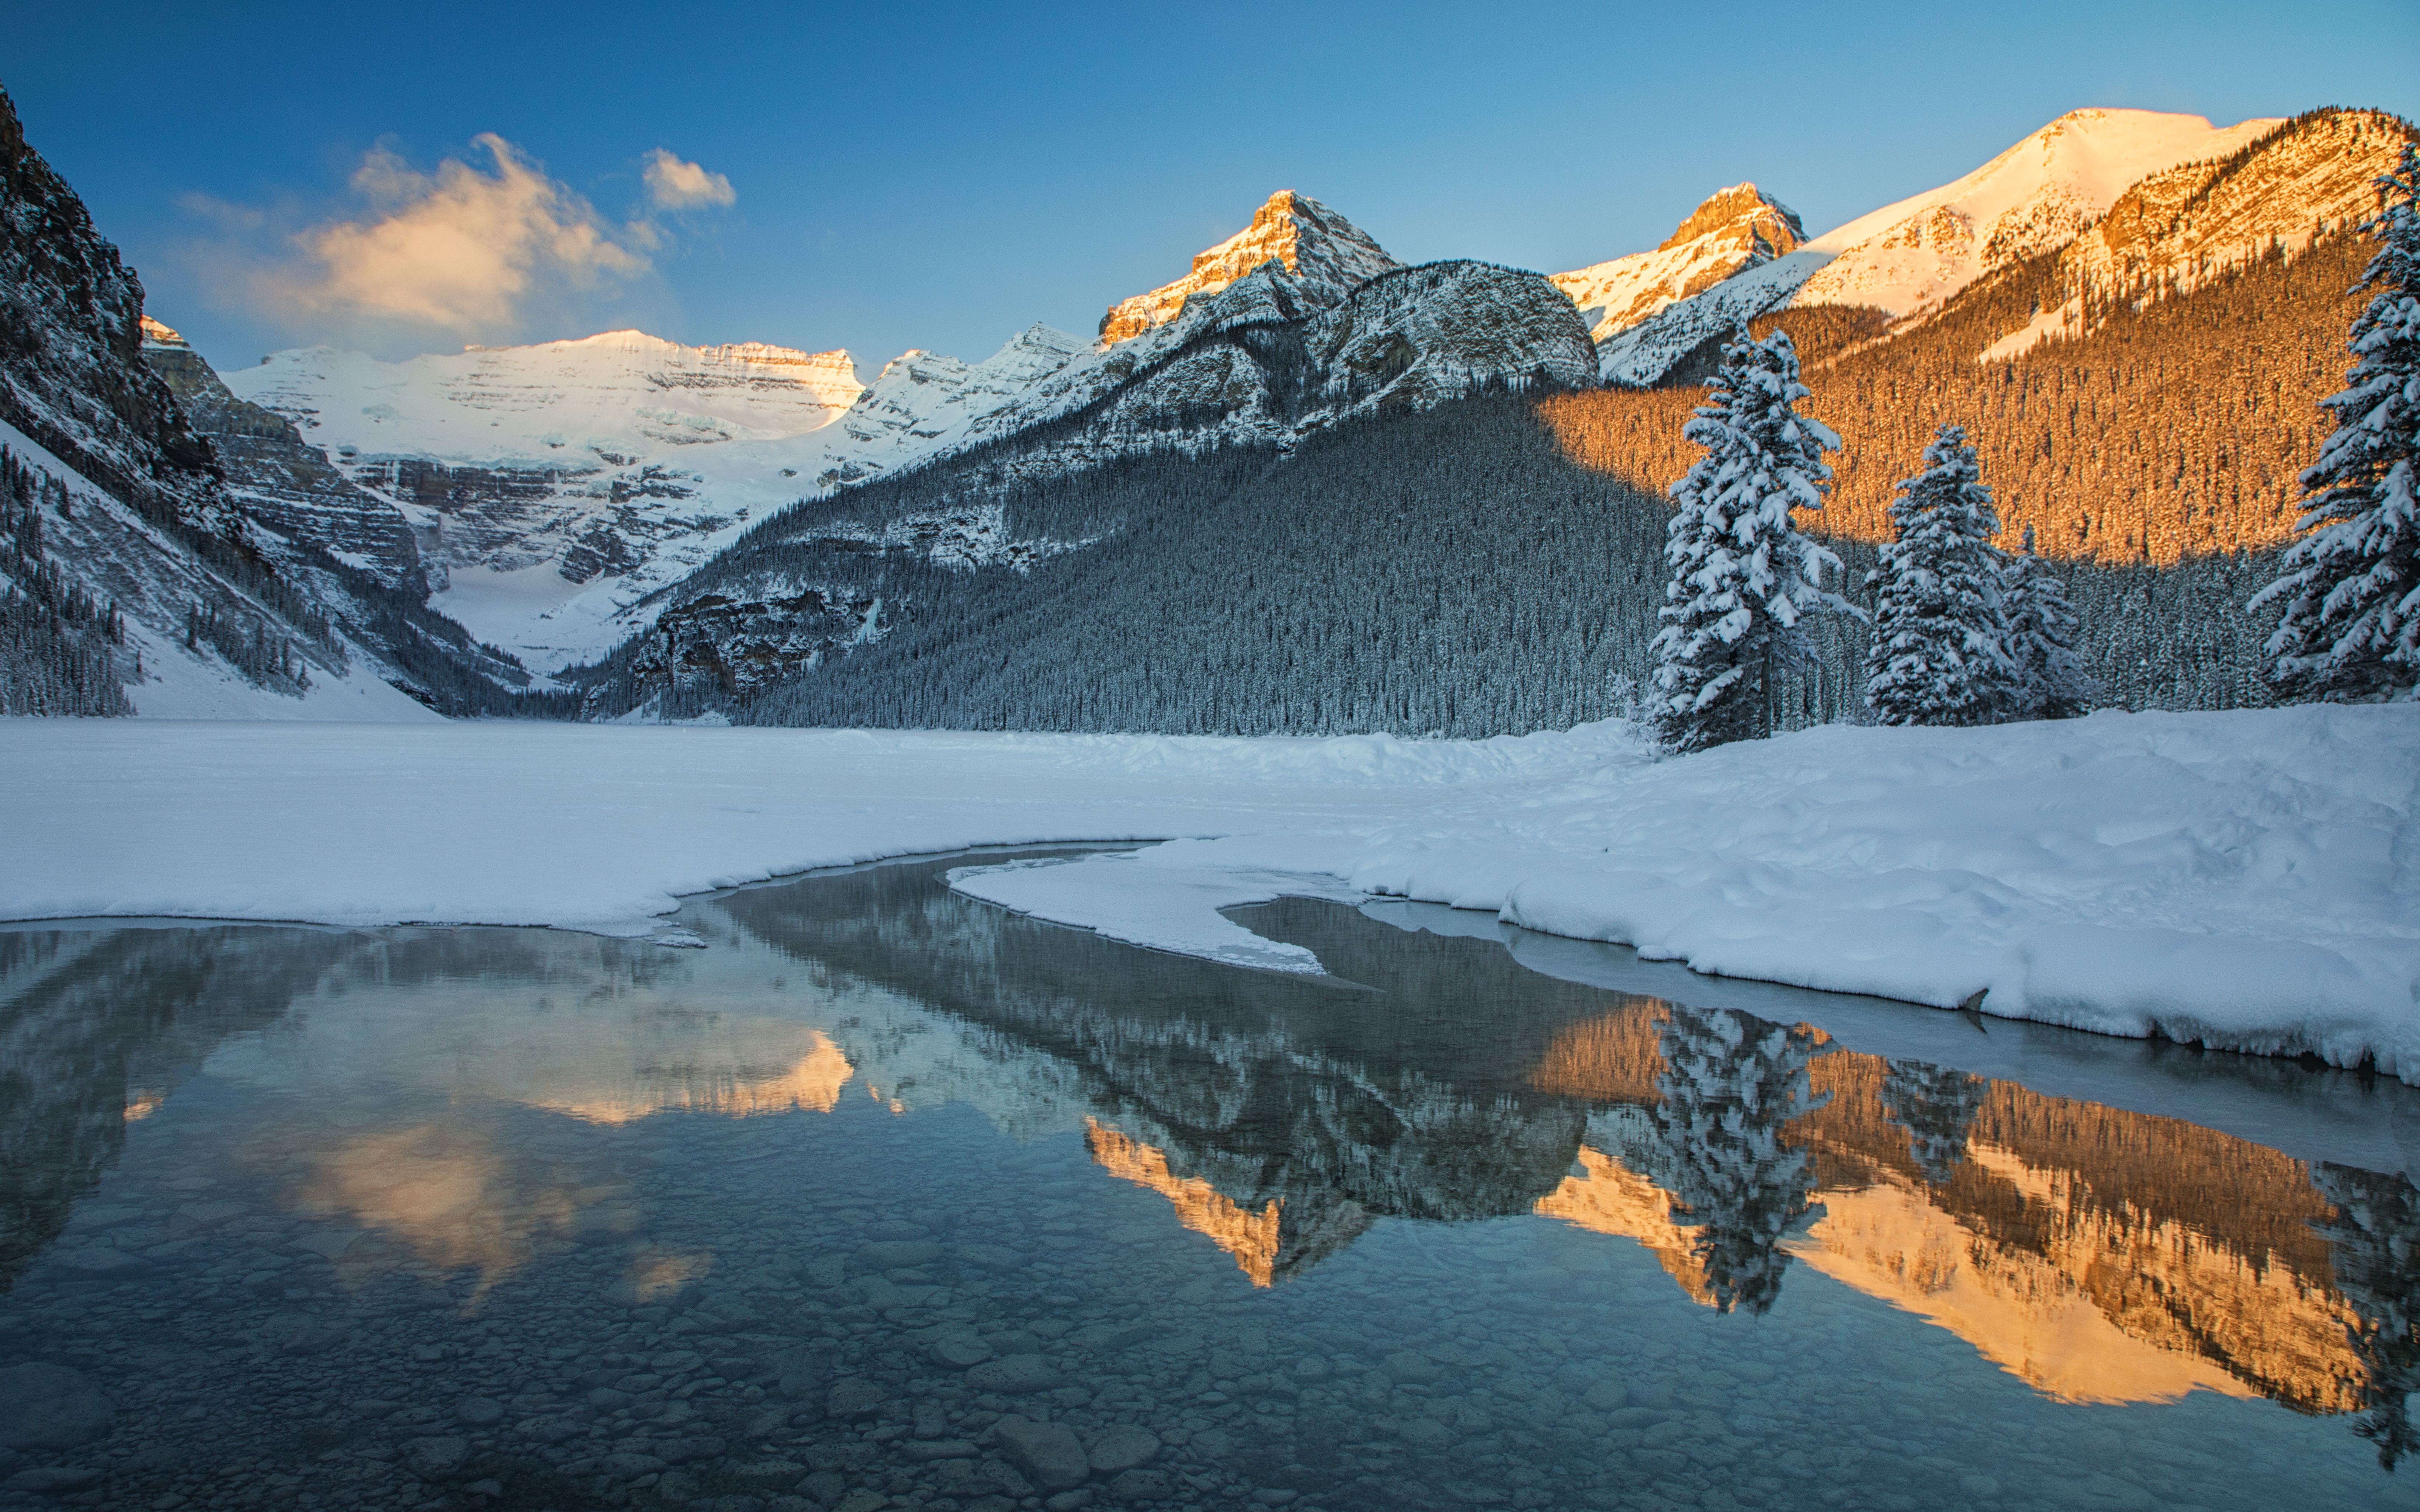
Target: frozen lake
{"x":888,"y":1197}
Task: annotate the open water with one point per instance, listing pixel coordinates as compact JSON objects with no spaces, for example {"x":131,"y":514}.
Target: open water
{"x":890,"y":1198}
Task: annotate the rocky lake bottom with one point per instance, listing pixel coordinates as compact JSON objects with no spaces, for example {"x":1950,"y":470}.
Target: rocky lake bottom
{"x":889,"y":1198}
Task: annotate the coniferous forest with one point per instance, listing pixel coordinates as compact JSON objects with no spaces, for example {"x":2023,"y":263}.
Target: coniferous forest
{"x":2163,"y":434}
{"x":1450,"y":573}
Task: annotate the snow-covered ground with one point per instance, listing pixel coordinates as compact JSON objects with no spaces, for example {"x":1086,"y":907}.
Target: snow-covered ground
{"x":2248,"y":880}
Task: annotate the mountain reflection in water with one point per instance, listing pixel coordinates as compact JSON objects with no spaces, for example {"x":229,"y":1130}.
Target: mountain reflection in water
{"x":2098,"y":1254}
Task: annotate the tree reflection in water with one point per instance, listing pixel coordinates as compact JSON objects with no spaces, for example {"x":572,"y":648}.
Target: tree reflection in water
{"x":2375,"y":1233}
{"x":1731,"y":1083}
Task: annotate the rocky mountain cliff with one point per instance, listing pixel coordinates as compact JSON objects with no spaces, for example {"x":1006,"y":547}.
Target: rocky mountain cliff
{"x":1735,"y":229}
{"x":167,"y":550}
{"x":276,"y":477}
{"x":1317,"y":250}
{"x":72,"y":376}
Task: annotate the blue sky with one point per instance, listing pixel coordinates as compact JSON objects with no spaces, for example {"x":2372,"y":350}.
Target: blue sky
{"x":939,"y":176}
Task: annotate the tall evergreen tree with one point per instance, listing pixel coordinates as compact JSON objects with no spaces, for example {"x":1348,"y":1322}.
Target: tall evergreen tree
{"x":1940,"y":653}
{"x":2049,"y":680}
{"x":1743,"y":577}
{"x":2349,"y":625}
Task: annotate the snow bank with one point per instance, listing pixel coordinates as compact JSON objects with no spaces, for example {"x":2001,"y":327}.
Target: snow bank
{"x":2248,"y":880}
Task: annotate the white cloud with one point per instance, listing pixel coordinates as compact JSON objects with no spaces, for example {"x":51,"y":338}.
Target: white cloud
{"x":475,"y":250}
{"x":676,"y":185}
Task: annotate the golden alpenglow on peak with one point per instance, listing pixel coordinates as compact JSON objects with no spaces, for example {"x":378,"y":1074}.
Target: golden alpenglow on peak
{"x":1744,"y":217}
{"x":1314,"y":245}
{"x":1731,"y":231}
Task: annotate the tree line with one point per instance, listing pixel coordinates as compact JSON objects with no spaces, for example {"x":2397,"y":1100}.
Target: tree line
{"x":59,"y":647}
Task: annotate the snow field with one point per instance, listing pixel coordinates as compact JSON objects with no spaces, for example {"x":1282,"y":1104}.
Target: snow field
{"x":2248,"y":880}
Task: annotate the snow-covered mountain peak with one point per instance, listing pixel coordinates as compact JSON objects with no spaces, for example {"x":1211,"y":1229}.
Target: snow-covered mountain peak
{"x":1314,"y":244}
{"x":156,"y":334}
{"x":622,"y":393}
{"x":1743,"y":216}
{"x":2033,"y":198}
{"x":1912,"y":256}
{"x":1732,"y":230}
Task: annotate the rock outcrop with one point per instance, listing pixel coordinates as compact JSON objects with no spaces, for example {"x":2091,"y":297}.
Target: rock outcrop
{"x":1313,"y":247}
{"x":1735,"y":229}
{"x":72,"y":372}
{"x":277,"y":479}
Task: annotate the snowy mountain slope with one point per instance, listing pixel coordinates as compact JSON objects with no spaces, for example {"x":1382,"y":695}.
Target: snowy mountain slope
{"x":1315,"y":248}
{"x":1237,"y":381}
{"x":600,"y":402}
{"x":1734,"y":230}
{"x":155,"y":580}
{"x":1646,"y":353}
{"x":1911,"y":256}
{"x":2034,"y":197}
{"x":555,"y":487}
{"x":921,"y":400}
{"x":2174,"y":231}
{"x":557,"y":491}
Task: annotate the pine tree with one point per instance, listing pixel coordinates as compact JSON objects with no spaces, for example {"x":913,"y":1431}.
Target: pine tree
{"x":1743,"y":577}
{"x":2350,"y":627}
{"x":1940,"y":653}
{"x":2049,"y":680}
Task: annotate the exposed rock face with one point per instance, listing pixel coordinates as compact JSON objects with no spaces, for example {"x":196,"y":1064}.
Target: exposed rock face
{"x":1268,"y":361}
{"x":1313,"y":244}
{"x":1735,"y":229}
{"x":287,"y":486}
{"x":72,"y":372}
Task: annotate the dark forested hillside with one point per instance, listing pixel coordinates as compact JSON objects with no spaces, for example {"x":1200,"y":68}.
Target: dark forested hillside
{"x":1449,"y":572}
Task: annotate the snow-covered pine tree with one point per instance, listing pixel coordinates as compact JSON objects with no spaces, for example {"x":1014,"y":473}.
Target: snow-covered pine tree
{"x":1743,"y":577}
{"x":2050,"y":681}
{"x":2349,"y":630}
{"x":1940,"y":653}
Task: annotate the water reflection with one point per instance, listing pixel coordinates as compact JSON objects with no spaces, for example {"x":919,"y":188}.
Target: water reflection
{"x":2098,"y":1254}
{"x":470,"y":1112}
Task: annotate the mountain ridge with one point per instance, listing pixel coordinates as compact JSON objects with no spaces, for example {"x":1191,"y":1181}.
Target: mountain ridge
{"x":1313,"y":244}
